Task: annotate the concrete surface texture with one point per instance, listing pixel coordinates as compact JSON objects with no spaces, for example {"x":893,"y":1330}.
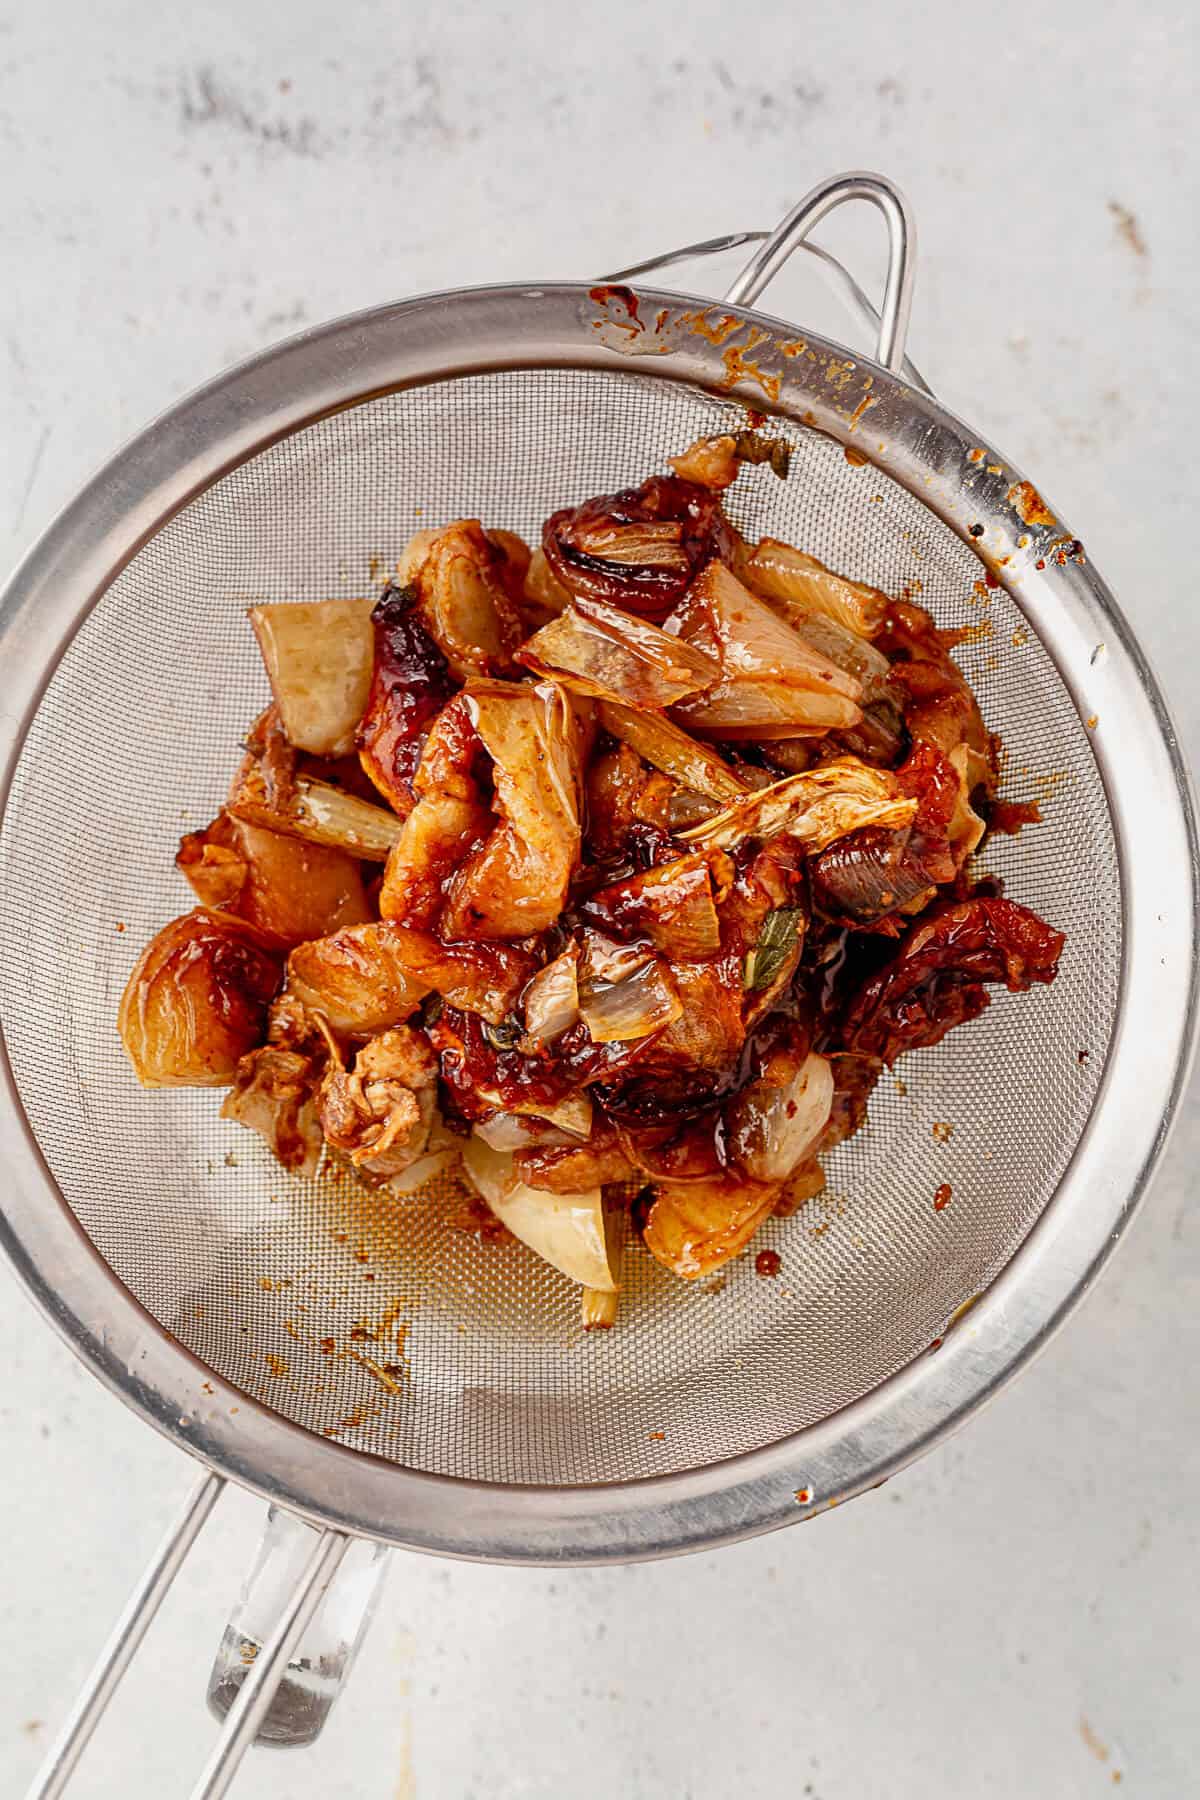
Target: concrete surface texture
{"x":184,"y":185}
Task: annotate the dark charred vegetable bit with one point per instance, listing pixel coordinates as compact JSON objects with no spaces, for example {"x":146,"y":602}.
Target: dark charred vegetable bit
{"x":587,"y":547}
{"x":478,"y":1079}
{"x":1008,"y":816}
{"x":863,"y":878}
{"x":937,"y":980}
{"x":274,"y":757}
{"x":572,"y":1169}
{"x":776,"y":942}
{"x":505,"y":1036}
{"x":866,"y":878}
{"x":749,"y":447}
{"x":410,"y":685}
{"x":693,"y":1152}
{"x":673,"y":905}
{"x":932,"y":781}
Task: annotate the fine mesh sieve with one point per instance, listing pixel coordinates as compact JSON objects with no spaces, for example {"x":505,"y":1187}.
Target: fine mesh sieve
{"x":400,"y":1344}
{"x":252,"y":1268}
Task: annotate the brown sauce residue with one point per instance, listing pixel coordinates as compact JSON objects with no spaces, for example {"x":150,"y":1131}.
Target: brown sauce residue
{"x":739,"y":367}
{"x":1026,"y":500}
{"x":942,"y":1197}
{"x":624,"y":296}
{"x":717,"y":334}
{"x":767,"y":1263}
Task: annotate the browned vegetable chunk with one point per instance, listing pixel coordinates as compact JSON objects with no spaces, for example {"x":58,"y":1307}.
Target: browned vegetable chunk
{"x":290,"y":889}
{"x":410,"y":685}
{"x":695,"y":1226}
{"x":196,"y":1002}
{"x":274,"y":1093}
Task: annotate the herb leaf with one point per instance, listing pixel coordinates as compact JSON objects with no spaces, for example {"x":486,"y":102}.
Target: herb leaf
{"x":776,"y":941}
{"x":749,"y":447}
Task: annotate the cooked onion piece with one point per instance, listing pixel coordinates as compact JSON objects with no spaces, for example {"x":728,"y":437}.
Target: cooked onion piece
{"x":600,"y":651}
{"x":410,"y":684}
{"x":814,"y":807}
{"x":354,"y":980}
{"x":369,"y":977}
{"x":274,"y":1093}
{"x":288,"y":888}
{"x":624,"y":994}
{"x":782,"y":573}
{"x":695,"y":1226}
{"x":772,"y":682}
{"x":552,"y":998}
{"x":715,"y":462}
{"x":598,"y":1308}
{"x":638,"y":549}
{"x":316,"y":811}
{"x":319,"y":656}
{"x":544,"y":595}
{"x":516,"y":884}
{"x":668,"y":747}
{"x":465,"y":603}
{"x":568,"y":1168}
{"x":448,"y":820}
{"x":673,"y":905}
{"x":196,"y":1002}
{"x":777,"y":1119}
{"x":380,"y":1113}
{"x":566,"y":1230}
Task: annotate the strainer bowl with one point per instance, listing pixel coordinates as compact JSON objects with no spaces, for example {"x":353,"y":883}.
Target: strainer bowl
{"x":198,"y":1280}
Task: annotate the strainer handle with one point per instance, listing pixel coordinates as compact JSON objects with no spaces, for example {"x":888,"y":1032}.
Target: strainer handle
{"x":131,"y":1627}
{"x":816,"y":205}
{"x":321,"y":1572}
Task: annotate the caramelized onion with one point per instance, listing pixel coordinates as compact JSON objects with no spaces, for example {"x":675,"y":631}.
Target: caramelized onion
{"x":668,"y":747}
{"x":610,"y":655}
{"x":196,"y":1002}
{"x":815,"y":807}
{"x":800,"y":581}
{"x":625,"y":997}
{"x":771,"y":681}
{"x":777,"y":1119}
{"x":552,"y":998}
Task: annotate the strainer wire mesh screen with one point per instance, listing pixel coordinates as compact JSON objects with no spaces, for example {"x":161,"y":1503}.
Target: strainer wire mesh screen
{"x":381,"y":1322}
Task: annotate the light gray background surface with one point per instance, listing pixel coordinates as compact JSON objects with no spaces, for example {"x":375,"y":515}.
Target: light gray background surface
{"x":1015,"y":1615}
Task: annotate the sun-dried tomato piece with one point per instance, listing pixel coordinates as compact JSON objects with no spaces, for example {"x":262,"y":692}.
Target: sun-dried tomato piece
{"x":937,"y":979}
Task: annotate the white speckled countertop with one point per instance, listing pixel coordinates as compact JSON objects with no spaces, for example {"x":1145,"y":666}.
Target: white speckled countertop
{"x":182,"y":186}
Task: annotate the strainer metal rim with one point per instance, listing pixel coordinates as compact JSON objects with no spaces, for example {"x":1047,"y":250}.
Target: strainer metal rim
{"x":966,"y":484}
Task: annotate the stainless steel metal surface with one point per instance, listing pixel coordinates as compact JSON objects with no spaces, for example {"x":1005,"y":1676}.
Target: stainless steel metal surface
{"x":515,"y":1440}
{"x":858,"y":304}
{"x":121,"y":1648}
{"x":808,"y":213}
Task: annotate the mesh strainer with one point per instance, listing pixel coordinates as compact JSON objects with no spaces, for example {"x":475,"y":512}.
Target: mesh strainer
{"x":198,"y":1280}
